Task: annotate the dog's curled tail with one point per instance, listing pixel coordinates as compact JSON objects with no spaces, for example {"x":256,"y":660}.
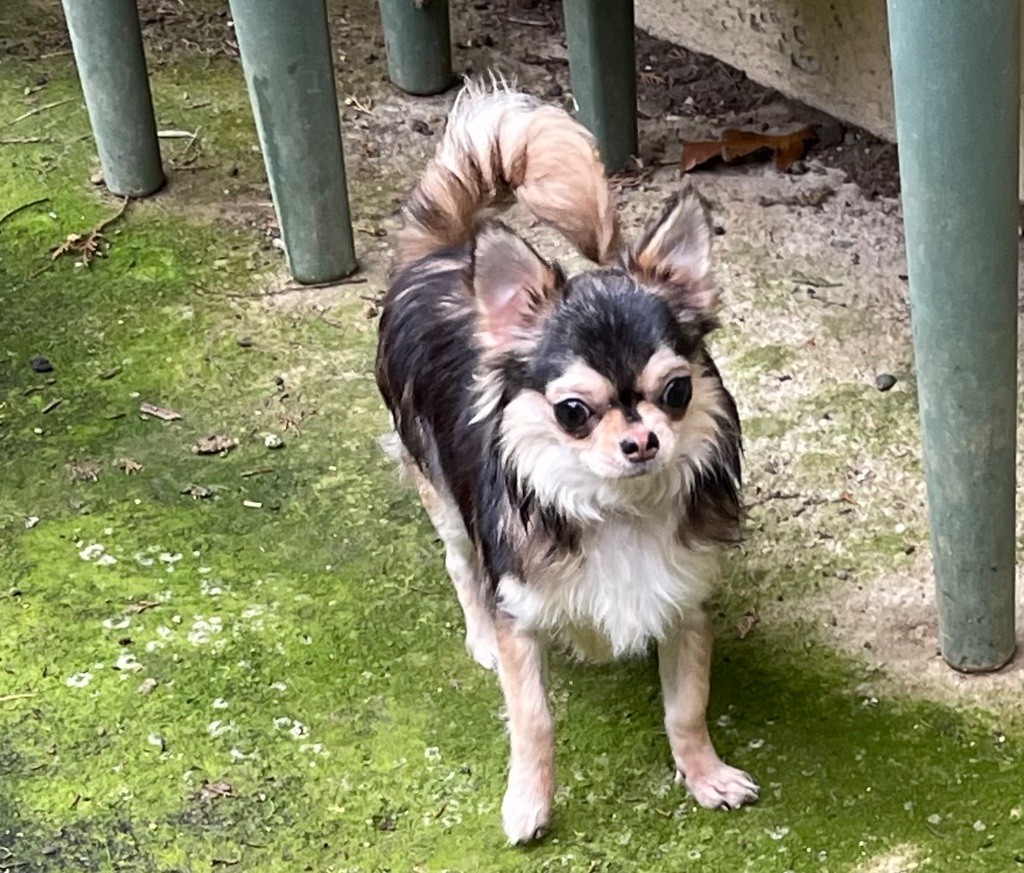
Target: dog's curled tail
{"x":501,"y":143}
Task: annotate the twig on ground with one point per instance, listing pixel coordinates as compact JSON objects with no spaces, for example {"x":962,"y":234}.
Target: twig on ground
{"x":36,"y":111}
{"x":88,"y":244}
{"x":773,"y":495}
{"x":24,"y":140}
{"x":259,"y":471}
{"x":23,"y":696}
{"x":8,"y":215}
{"x":528,"y":22}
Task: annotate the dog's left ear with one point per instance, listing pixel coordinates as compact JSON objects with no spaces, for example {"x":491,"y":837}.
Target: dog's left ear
{"x":673,"y":257}
{"x":515,"y":288}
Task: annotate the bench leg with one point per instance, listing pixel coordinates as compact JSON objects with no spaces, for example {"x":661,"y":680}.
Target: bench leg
{"x":419,"y":47}
{"x":956,"y":78}
{"x":286,"y":56}
{"x":107,"y":43}
{"x":602,"y":67}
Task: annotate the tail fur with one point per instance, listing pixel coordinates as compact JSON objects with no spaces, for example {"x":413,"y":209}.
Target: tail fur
{"x":499,"y":144}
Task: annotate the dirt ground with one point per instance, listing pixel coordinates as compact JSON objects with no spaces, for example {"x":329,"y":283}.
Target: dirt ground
{"x":252,"y":661}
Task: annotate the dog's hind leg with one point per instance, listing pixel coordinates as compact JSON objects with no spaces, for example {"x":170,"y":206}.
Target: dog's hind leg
{"x":684,"y":661}
{"x":463,"y":566}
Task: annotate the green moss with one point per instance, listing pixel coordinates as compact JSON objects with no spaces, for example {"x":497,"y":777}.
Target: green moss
{"x":186,"y":661}
{"x":770,"y":358}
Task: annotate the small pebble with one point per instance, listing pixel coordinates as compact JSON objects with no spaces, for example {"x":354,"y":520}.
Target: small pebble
{"x":273,"y":441}
{"x":884,"y":381}
{"x":41,"y":364}
{"x":418,"y":125}
{"x":246,"y":342}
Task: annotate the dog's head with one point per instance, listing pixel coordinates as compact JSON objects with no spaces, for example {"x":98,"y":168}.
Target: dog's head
{"x":606,"y":388}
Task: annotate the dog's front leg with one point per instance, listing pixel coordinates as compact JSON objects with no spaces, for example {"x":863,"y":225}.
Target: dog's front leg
{"x":526,"y":809}
{"x":684,"y":661}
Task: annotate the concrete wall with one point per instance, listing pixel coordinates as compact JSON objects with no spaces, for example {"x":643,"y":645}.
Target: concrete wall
{"x":832,"y":54}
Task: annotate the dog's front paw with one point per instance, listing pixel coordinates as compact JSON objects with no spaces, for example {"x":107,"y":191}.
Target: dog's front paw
{"x":482,"y":645}
{"x":525,"y":814}
{"x":719,"y":786}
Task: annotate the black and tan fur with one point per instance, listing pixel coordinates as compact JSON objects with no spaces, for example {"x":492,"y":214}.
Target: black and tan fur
{"x":571,"y":438}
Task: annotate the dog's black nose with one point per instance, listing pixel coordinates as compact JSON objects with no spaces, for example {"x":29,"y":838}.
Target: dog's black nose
{"x":631,"y":448}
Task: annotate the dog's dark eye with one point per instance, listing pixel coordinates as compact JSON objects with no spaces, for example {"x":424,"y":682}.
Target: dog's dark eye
{"x":572,"y":415}
{"x":677,"y":393}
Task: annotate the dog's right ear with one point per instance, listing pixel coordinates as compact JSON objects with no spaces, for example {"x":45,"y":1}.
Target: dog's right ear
{"x":515,"y":288}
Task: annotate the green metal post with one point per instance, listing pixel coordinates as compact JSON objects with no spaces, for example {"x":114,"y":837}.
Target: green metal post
{"x":956,"y":72}
{"x":418,"y":40}
{"x":602,"y":67}
{"x":286,"y":55}
{"x":107,"y":43}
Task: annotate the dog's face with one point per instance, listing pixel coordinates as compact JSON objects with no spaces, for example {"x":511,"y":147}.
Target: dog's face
{"x":612,"y":389}
{"x":611,"y":383}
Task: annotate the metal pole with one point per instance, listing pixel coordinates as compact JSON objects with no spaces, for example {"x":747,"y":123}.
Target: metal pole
{"x":956,"y":72}
{"x":418,"y":40}
{"x":602,"y":67}
{"x":286,"y":55}
{"x":107,"y":43}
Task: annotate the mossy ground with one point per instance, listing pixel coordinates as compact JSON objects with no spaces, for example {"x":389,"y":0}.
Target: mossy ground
{"x":196,"y":684}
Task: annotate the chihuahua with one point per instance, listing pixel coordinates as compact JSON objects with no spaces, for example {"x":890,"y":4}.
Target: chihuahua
{"x":570,"y":438}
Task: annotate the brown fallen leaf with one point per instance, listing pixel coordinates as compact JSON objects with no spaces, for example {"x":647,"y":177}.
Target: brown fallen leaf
{"x":159,"y":412}
{"x":746,"y":623}
{"x":141,"y":606}
{"x":216,"y":444}
{"x":83,"y":471}
{"x":197,"y":492}
{"x":128,"y":465}
{"x":787,"y":148}
{"x":213,"y":790}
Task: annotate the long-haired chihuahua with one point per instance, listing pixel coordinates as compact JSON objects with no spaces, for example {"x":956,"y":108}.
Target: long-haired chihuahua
{"x":570,"y":438}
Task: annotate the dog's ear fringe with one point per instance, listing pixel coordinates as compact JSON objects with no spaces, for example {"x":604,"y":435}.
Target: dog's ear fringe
{"x":514,"y":287}
{"x":673,"y":257}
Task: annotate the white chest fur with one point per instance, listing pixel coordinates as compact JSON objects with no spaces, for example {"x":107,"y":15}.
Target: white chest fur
{"x":631,"y":581}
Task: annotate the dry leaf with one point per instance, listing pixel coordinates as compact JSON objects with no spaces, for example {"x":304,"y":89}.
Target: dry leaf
{"x":141,"y":606}
{"x":159,"y":412}
{"x":128,"y":465}
{"x":214,"y":445}
{"x":213,"y":790}
{"x":747,"y":621}
{"x":197,"y":492}
{"x":84,"y":471}
{"x":786,"y":148}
